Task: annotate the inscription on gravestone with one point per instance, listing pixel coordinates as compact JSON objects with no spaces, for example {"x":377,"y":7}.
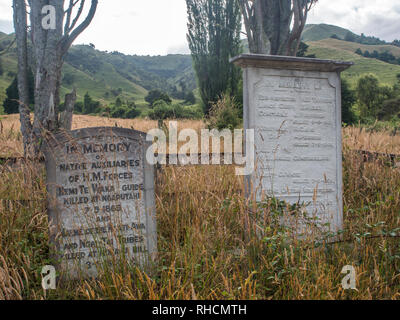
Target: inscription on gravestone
{"x":101,"y":199}
{"x":294,"y":106}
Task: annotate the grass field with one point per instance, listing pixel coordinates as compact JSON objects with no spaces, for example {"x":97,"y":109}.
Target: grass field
{"x":209,"y":235}
{"x":316,"y":32}
{"x":345,"y":51}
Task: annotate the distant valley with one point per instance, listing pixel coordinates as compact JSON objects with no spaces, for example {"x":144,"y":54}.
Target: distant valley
{"x":108,"y":75}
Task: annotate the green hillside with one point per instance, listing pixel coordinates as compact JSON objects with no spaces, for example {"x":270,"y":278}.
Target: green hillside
{"x":107,"y":76}
{"x":343,"y":50}
{"x":318,"y":37}
{"x":316,"y":32}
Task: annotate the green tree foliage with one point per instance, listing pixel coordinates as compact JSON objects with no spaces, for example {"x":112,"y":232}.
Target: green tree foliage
{"x":368,"y":95}
{"x":123,"y":110}
{"x":118,"y":112}
{"x":224,"y":114}
{"x":348,"y":101}
{"x":390,"y":108}
{"x":190,"y":98}
{"x":78,"y":107}
{"x":163,"y":111}
{"x":1,"y":68}
{"x":371,"y":96}
{"x":183,"y":93}
{"x":302,"y":52}
{"x":363,"y":39}
{"x":68,"y":79}
{"x":90,"y":106}
{"x":131,"y":113}
{"x":351,"y":37}
{"x":214,"y":37}
{"x":155,"y":95}
{"x":11,"y":104}
{"x":118,"y":102}
{"x":385,"y":56}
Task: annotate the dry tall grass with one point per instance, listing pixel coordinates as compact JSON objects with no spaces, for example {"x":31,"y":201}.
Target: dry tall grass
{"x":364,"y":139}
{"x":208,"y":247}
{"x":11,"y":139}
{"x":354,"y":138}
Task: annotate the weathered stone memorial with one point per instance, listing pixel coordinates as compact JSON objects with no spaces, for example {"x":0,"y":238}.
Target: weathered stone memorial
{"x":100,"y":199}
{"x":294,"y":106}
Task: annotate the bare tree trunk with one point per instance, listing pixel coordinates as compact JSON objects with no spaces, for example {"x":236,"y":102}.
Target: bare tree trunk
{"x":275,"y":26}
{"x":20,"y":22}
{"x":48,"y":57}
{"x":66,"y":116}
{"x":50,"y":44}
{"x":263,"y":44}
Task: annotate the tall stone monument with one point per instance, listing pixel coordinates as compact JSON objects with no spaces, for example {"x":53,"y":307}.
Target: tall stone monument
{"x":294,"y":106}
{"x":100,"y":200}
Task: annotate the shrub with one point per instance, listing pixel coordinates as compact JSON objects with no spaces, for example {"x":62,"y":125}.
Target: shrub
{"x":131,"y":113}
{"x":156,"y":95}
{"x":11,"y":104}
{"x":192,"y":112}
{"x":348,"y":101}
{"x":118,"y":112}
{"x":389,"y":109}
{"x":224,"y":114}
{"x":161,"y":111}
{"x":78,"y":107}
{"x":371,"y":95}
{"x":68,"y":79}
{"x":190,"y":98}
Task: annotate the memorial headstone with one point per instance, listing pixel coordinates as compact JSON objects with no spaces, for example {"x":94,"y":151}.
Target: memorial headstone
{"x":294,"y":106}
{"x":100,"y":200}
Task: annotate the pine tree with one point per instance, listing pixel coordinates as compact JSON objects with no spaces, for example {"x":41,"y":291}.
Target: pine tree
{"x":90,"y":106}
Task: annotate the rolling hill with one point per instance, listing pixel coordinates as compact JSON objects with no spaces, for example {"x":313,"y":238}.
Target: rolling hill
{"x":316,"y":32}
{"x":107,"y":75}
{"x":343,"y":50}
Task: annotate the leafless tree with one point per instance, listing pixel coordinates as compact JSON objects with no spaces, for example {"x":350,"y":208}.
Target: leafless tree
{"x":275,"y":26}
{"x":52,"y":27}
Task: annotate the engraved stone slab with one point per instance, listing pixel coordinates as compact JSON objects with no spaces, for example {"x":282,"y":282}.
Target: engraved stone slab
{"x":100,"y":199}
{"x":294,"y":106}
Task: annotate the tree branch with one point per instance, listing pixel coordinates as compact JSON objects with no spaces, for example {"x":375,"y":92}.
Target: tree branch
{"x":68,"y":13}
{"x":78,"y":15}
{"x":67,"y":40}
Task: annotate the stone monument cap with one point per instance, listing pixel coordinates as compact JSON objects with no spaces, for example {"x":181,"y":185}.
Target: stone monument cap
{"x":289,"y":63}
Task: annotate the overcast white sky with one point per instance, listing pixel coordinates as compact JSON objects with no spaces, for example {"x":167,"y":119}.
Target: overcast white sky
{"x":158,"y":27}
